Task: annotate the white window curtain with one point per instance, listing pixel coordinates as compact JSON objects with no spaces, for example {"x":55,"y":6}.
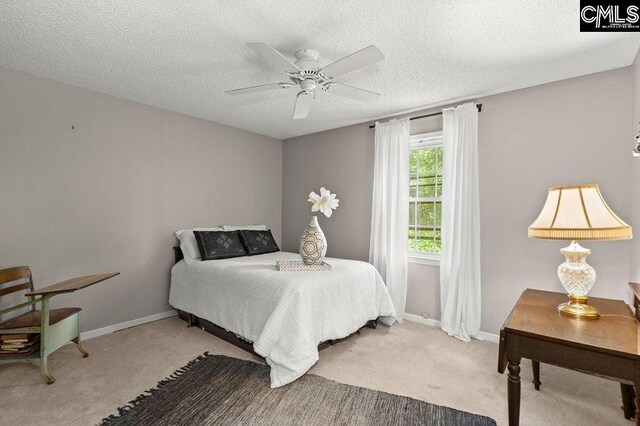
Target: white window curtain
{"x":390,"y":209}
{"x":460,"y":260}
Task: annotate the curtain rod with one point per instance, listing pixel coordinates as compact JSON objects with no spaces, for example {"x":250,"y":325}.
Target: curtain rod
{"x":479,"y":106}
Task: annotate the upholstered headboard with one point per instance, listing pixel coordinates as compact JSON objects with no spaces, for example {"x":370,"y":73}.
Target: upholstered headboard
{"x":177,"y":252}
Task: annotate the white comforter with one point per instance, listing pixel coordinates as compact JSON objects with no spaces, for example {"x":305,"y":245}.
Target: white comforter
{"x":285,"y":314}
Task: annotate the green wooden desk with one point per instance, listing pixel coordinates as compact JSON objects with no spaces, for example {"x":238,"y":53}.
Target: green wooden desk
{"x":56,"y":327}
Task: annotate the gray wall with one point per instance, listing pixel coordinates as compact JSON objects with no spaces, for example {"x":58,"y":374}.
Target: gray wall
{"x":342,"y":160}
{"x":568,"y":132}
{"x":107,"y":195}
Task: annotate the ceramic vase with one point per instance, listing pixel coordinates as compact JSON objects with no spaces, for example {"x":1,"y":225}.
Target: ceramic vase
{"x":313,"y":244}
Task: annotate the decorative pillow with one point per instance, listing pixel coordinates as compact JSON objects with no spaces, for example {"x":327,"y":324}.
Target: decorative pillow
{"x":241,"y":227}
{"x":188,"y":243}
{"x":258,"y":242}
{"x":219,"y":244}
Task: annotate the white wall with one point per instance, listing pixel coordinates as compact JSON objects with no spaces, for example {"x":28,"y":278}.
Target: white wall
{"x":567,"y":132}
{"x":107,"y":194}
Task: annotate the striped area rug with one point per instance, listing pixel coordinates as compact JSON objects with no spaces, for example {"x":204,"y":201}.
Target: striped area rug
{"x":218,"y":390}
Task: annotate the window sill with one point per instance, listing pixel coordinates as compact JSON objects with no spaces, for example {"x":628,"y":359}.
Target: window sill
{"x":424,"y":259}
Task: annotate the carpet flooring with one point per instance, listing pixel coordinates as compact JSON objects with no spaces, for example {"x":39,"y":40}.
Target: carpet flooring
{"x":408,"y":359}
{"x":220,"y":390}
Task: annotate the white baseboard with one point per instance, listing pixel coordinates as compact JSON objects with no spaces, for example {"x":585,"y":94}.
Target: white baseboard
{"x":489,"y":337}
{"x":421,"y":320}
{"x":86,"y":335}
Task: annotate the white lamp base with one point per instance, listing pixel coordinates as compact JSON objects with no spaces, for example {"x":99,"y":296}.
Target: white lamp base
{"x":577,"y":278}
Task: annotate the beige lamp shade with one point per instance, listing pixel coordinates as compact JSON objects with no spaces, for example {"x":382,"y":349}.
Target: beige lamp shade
{"x":578,"y":213}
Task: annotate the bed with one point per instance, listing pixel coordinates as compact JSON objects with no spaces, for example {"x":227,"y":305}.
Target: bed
{"x":283,"y":315}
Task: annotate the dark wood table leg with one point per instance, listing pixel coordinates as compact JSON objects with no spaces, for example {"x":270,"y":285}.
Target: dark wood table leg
{"x":513,"y":392}
{"x":628,"y":406}
{"x":535,"y":366}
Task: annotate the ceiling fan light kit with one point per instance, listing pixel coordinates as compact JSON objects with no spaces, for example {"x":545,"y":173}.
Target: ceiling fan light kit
{"x":306,"y":73}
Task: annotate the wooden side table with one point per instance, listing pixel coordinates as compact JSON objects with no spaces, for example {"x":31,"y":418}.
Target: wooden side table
{"x":607,"y":347}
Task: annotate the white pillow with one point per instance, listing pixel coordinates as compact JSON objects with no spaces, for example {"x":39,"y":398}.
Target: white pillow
{"x":188,"y":243}
{"x":245,"y":227}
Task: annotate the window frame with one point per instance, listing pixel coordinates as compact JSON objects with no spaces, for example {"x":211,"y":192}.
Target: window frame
{"x":419,"y":141}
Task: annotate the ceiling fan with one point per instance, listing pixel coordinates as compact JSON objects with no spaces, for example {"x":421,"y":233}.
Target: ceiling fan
{"x":307,"y":73}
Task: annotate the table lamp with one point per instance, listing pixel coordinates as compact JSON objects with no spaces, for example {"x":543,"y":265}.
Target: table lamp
{"x":577,"y":213}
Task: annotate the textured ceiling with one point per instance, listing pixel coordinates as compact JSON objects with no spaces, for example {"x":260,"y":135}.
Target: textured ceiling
{"x":183,"y":55}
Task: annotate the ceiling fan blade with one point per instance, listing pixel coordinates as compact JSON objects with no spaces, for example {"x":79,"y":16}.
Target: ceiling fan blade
{"x":303,"y":103}
{"x":274,"y":57}
{"x":362,"y":58}
{"x":352,"y":92}
{"x":260,"y":88}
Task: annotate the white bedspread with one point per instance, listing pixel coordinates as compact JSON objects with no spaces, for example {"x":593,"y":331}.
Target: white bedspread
{"x":285,"y":314}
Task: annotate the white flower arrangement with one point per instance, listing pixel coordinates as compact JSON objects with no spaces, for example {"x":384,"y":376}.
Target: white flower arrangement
{"x":326,"y":202}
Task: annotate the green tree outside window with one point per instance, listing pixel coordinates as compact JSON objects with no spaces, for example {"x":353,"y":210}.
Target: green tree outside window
{"x":425,"y":199}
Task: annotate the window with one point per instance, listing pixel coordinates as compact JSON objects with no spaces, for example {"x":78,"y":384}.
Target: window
{"x":425,"y":195}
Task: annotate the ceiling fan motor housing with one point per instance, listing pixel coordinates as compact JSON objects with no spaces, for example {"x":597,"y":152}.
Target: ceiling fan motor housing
{"x":310,"y":76}
{"x":307,"y":59}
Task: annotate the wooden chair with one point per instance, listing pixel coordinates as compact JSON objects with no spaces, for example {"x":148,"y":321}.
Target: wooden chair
{"x":56,"y":327}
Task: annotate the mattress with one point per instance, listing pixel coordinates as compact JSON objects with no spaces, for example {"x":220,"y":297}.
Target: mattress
{"x":285,"y":314}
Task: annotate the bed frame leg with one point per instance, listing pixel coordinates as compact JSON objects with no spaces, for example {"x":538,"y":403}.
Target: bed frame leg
{"x":190,"y":321}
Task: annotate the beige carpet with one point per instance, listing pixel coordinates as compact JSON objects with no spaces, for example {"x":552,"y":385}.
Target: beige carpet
{"x":408,"y":359}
